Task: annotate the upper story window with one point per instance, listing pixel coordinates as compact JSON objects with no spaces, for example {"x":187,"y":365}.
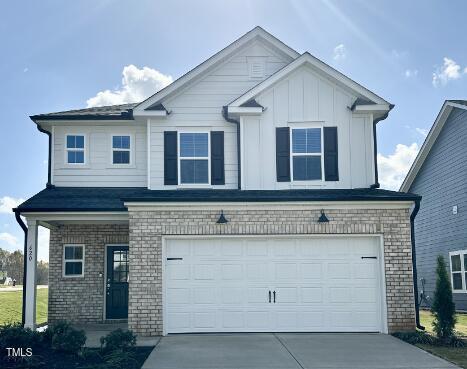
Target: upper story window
{"x":121,"y":149}
{"x":307,"y":154}
{"x":75,"y":149}
{"x":194,"y":158}
{"x":73,"y":260}
{"x":458,"y":262}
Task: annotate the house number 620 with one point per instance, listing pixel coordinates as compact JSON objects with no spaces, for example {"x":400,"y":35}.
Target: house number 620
{"x":30,"y":253}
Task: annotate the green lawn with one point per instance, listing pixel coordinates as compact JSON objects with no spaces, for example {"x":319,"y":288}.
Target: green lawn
{"x":10,"y":306}
{"x":426,"y":319}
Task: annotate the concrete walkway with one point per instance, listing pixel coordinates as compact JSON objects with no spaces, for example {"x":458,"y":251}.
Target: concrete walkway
{"x":289,"y":351}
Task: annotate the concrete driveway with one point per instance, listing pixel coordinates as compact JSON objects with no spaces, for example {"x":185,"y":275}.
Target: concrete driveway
{"x":289,"y":351}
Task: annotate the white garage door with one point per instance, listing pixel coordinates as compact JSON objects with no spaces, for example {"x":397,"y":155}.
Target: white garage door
{"x":273,"y":285}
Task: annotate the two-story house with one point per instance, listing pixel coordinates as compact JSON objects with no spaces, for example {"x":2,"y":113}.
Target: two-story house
{"x":439,"y":175}
{"x":243,"y":197}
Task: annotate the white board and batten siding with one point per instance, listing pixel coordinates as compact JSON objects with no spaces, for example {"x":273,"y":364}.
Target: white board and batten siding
{"x":303,"y":99}
{"x":98,"y":170}
{"x":198,"y":107}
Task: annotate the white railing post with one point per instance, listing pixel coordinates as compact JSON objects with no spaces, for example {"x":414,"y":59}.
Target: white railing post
{"x":31,"y":265}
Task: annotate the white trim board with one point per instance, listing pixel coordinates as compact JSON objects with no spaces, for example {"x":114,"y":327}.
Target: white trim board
{"x":308,"y":59}
{"x":210,"y":63}
{"x":430,"y":140}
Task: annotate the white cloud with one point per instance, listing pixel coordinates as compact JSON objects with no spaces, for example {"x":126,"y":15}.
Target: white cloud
{"x":449,"y":71}
{"x":137,"y":85}
{"x":7,"y":203}
{"x":409,"y":73}
{"x":393,"y":168}
{"x":25,"y":70}
{"x":422,"y":131}
{"x":340,"y":52}
{"x":43,"y":238}
{"x":9,"y":239}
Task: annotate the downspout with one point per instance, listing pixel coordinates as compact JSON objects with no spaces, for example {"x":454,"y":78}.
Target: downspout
{"x":49,"y":165}
{"x":225,"y":114}
{"x":375,"y":145}
{"x":414,"y":263}
{"x":25,"y":252}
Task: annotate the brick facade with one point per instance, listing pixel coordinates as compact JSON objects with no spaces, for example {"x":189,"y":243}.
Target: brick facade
{"x":80,"y":299}
{"x":148,"y":227}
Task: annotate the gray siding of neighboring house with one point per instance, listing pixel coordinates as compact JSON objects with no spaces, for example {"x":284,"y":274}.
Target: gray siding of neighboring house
{"x":442,"y":183}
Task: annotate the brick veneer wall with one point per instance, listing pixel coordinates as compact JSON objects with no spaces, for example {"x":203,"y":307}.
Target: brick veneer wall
{"x":148,"y":227}
{"x":80,"y":299}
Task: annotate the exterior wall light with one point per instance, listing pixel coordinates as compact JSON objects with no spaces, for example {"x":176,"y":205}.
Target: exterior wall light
{"x":222,"y":219}
{"x":323,"y":218}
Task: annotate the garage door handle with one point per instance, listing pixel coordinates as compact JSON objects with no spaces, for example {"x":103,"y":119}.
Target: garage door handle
{"x":274,"y":294}
{"x":174,"y":258}
{"x":369,"y":257}
{"x":269,"y":296}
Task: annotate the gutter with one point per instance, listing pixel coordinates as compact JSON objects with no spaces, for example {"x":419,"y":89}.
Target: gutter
{"x":414,"y":263}
{"x":25,"y":251}
{"x":225,"y":114}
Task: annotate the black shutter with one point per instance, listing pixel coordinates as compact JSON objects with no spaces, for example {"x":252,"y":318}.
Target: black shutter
{"x":331,"y":166}
{"x":283,"y":154}
{"x":170,"y":158}
{"x":217,"y":158}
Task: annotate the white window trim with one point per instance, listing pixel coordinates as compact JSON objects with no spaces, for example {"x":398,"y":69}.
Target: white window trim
{"x":84,"y":150}
{"x":462,"y":271}
{"x":73,"y":260}
{"x":292,"y":154}
{"x":131,"y":150}
{"x":179,"y":159}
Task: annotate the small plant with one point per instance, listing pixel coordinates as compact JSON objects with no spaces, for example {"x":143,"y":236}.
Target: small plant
{"x":443,"y":307}
{"x":118,"y":340}
{"x":415,"y":337}
{"x":14,"y":335}
{"x":67,"y":339}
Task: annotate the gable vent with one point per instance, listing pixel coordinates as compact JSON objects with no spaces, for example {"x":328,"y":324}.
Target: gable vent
{"x":257,"y":69}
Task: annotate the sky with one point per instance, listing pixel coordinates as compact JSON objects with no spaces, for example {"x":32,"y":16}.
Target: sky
{"x":59,"y":55}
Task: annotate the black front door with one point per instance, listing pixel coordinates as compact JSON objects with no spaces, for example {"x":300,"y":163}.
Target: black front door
{"x":117,"y":282}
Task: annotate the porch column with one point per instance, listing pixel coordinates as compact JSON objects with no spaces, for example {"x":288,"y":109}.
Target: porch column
{"x":31,"y":265}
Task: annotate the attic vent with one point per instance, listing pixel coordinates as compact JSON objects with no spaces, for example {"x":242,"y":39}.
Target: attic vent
{"x":257,"y":69}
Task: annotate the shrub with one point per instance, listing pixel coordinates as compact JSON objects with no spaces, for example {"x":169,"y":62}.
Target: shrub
{"x":67,"y":339}
{"x":443,"y":307}
{"x":415,"y":337}
{"x":14,"y":335}
{"x":118,"y":340}
{"x":121,"y":359}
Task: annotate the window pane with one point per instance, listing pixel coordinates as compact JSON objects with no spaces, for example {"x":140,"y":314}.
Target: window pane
{"x":75,"y":157}
{"x":306,"y":168}
{"x":125,"y":142}
{"x":457,"y":281}
{"x":121,"y":142}
{"x":194,"y":144}
{"x":79,"y":142}
{"x":306,"y":141}
{"x":194,"y":171}
{"x":73,"y":268}
{"x":121,"y":157}
{"x":465,"y":262}
{"x":75,"y":142}
{"x":73,"y":252}
{"x":456,"y":263}
{"x":70,"y":142}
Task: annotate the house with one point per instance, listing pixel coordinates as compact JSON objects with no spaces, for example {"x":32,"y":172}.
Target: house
{"x":243,"y":197}
{"x":439,"y":176}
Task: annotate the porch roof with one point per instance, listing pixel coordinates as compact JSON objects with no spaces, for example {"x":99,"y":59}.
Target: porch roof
{"x":64,"y":199}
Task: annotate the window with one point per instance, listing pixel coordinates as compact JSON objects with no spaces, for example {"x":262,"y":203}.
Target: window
{"x":75,"y":149}
{"x":121,"y":149}
{"x":194,"y":158}
{"x":458,"y":262}
{"x":307,"y":154}
{"x":73,"y":260}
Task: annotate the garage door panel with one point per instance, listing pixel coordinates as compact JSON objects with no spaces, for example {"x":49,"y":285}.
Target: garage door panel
{"x":322,"y":285}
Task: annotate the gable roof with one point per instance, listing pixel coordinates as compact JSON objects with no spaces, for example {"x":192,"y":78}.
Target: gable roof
{"x":255,"y":33}
{"x":308,"y":59}
{"x":430,"y":140}
{"x":111,"y":112}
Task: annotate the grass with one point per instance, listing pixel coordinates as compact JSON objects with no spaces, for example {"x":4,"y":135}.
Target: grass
{"x":11,"y":302}
{"x":456,"y":355}
{"x":426,"y":319}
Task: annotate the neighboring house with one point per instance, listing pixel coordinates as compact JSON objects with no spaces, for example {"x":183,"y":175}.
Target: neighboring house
{"x":439,"y":175}
{"x":241,"y":198}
